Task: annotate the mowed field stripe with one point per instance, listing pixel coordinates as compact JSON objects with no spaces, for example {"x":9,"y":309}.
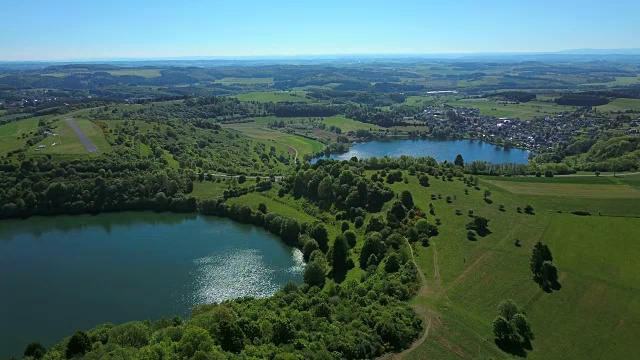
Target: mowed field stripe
{"x":569,"y":190}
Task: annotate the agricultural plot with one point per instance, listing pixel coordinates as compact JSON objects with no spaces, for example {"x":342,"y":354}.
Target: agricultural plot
{"x":302,"y":145}
{"x":273,"y":96}
{"x":522,"y":111}
{"x":145,"y":73}
{"x":621,"y":105}
{"x":245,"y":81}
{"x":598,"y":191}
{"x":347,"y":125}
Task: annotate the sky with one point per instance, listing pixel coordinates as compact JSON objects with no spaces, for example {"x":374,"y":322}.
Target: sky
{"x":80,"y":29}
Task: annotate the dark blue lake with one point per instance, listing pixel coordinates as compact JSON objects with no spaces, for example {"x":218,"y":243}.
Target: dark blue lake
{"x":65,"y":273}
{"x":441,"y":150}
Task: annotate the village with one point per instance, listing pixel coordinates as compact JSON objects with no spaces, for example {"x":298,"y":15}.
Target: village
{"x":539,"y":134}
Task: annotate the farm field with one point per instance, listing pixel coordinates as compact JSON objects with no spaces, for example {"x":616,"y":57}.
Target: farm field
{"x":273,"y":96}
{"x":245,"y":81}
{"x":619,"y":81}
{"x":302,"y":145}
{"x":523,"y":111}
{"x":600,"y":191}
{"x":347,"y":125}
{"x":621,"y":105}
{"x":145,"y":73}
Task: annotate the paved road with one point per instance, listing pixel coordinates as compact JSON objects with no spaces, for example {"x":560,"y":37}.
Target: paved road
{"x":84,"y":139}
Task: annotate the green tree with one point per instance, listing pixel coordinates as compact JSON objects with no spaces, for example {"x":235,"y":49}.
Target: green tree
{"x":78,"y":345}
{"x":34,"y":350}
{"x":541,"y":264}
{"x":316,"y":270}
{"x":459,"y":161}
{"x":231,"y":337}
{"x":320,"y":235}
{"x":194,"y":339}
{"x":372,"y":246}
{"x":486,"y":194}
{"x":393,"y":263}
{"x":262,"y":207}
{"x":407,"y":199}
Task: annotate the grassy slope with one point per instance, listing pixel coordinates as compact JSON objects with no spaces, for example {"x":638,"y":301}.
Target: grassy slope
{"x":347,"y":125}
{"x":600,"y":293}
{"x":146,"y":73}
{"x":10,"y":134}
{"x":523,"y":111}
{"x":621,"y":105}
{"x":303,"y":145}
{"x":273,"y":96}
{"x":245,"y":81}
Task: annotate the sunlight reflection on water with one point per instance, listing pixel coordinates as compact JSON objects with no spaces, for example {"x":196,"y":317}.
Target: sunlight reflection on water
{"x":239,"y":273}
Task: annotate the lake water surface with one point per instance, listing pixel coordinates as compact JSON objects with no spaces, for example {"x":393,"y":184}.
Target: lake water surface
{"x":441,"y":150}
{"x":65,"y":273}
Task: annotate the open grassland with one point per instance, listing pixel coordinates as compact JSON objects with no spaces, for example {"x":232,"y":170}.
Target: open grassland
{"x":273,"y":96}
{"x":66,"y":142}
{"x":301,"y":144}
{"x":245,"y":81}
{"x":57,"y":75}
{"x":347,"y":125}
{"x":621,"y":105}
{"x":596,"y":257}
{"x":11,"y":134}
{"x":273,"y":206}
{"x":523,"y":111}
{"x":206,"y":190}
{"x":619,"y":81}
{"x":145,"y":73}
{"x":598,"y":191}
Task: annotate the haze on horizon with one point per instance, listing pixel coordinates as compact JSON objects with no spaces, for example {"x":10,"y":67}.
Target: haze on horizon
{"x":72,"y":29}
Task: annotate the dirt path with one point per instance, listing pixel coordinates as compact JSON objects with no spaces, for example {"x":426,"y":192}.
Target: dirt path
{"x":423,"y":313}
{"x":295,"y":159}
{"x":436,"y":266}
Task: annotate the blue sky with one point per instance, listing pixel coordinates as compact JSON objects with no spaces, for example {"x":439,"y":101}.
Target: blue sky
{"x":66,"y":29}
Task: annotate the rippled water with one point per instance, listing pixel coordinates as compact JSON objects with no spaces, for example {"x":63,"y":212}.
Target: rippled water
{"x":441,"y":150}
{"x":61,"y":274}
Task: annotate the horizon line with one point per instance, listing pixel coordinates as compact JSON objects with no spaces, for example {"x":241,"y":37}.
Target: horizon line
{"x":311,"y":56}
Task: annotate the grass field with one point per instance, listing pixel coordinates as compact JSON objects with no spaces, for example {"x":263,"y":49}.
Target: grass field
{"x":599,"y":191}
{"x":66,"y":141}
{"x":245,"y":81}
{"x":347,"y":125}
{"x":146,"y":73}
{"x":523,"y":111}
{"x":273,"y":96}
{"x":596,"y":257}
{"x":11,"y":134}
{"x":301,"y":144}
{"x":619,"y":81}
{"x":621,"y":105}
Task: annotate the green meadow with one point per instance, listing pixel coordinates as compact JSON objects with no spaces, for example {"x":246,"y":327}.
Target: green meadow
{"x":245,"y":81}
{"x":273,"y":96}
{"x":523,"y":111}
{"x":146,"y":73}
{"x":621,"y":105}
